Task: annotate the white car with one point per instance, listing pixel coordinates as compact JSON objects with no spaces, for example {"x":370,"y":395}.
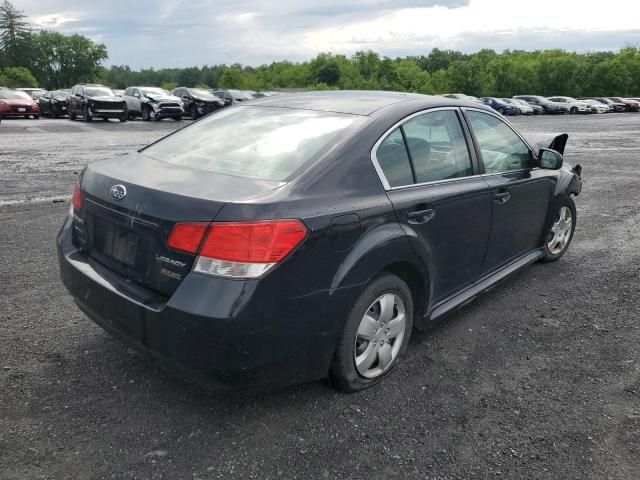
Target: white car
{"x":575,"y":106}
{"x":599,"y":107}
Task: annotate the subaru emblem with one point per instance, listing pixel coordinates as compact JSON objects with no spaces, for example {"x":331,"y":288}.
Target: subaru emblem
{"x":118,"y":192}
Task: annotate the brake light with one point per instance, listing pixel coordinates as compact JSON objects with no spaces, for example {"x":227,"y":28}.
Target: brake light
{"x":187,"y":237}
{"x":77,"y":199}
{"x":239,"y":250}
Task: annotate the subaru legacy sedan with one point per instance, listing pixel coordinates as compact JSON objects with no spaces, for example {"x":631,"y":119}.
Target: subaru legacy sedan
{"x":301,"y":237}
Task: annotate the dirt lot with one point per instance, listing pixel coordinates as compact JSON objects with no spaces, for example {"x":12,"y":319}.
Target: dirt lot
{"x":539,"y":379}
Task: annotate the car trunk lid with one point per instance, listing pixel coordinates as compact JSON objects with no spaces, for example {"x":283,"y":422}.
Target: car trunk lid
{"x":128,"y":235}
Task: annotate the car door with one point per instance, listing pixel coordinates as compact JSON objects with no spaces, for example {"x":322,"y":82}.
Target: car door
{"x":136,"y":100}
{"x":429,"y":172}
{"x":520,"y":193}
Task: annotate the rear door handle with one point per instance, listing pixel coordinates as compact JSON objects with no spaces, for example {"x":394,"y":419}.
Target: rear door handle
{"x":421,"y":216}
{"x":502,"y":196}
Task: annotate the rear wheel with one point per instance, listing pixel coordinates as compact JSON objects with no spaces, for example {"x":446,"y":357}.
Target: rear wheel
{"x":501,"y":111}
{"x":375,"y":336}
{"x":573,"y":110}
{"x":561,"y":233}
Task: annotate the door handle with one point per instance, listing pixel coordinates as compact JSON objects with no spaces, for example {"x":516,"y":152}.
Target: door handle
{"x":502,"y":197}
{"x":421,"y":216}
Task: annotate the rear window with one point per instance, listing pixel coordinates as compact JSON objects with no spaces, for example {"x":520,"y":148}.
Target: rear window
{"x":255,"y":142}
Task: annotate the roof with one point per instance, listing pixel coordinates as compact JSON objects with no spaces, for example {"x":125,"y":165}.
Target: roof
{"x":344,"y":101}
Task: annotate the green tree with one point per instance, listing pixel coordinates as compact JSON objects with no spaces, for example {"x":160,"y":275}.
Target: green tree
{"x":14,"y":77}
{"x":61,"y":61}
{"x":15,"y":33}
{"x":232,"y":78}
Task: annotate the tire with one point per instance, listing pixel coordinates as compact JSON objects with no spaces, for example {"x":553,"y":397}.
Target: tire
{"x":193,"y":112}
{"x":146,"y":113}
{"x":55,"y":111}
{"x":85,"y":114}
{"x":124,"y":117}
{"x":343,"y":373}
{"x":501,"y":111}
{"x":36,"y":117}
{"x":178,"y":118}
{"x":573,"y":110}
{"x":559,"y":238}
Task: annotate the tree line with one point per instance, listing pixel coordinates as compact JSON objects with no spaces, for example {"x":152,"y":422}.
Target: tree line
{"x":53,"y":60}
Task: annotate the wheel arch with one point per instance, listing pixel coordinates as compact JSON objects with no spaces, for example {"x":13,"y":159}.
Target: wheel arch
{"x":386,"y":248}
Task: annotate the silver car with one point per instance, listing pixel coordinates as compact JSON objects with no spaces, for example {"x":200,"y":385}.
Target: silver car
{"x":152,"y":103}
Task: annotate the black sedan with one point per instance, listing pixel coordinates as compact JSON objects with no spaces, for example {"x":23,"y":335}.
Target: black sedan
{"x":54,"y":103}
{"x":287,"y":240}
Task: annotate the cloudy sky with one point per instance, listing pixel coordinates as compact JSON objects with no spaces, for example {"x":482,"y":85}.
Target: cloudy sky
{"x":179,"y":33}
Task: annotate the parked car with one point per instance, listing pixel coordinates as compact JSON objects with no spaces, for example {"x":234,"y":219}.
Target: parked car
{"x":499,"y":106}
{"x":152,"y":103}
{"x":16,"y":103}
{"x":462,"y":96}
{"x":548,"y":106}
{"x":34,"y":93}
{"x":118,"y":92}
{"x":198,"y":102}
{"x":630,"y":105}
{"x":575,"y":106}
{"x":90,"y":100}
{"x":537,"y":109}
{"x":597,"y":106}
{"x":616,"y":106}
{"x":524,"y":108}
{"x":232,"y":96}
{"x":53,"y":103}
{"x":234,"y":261}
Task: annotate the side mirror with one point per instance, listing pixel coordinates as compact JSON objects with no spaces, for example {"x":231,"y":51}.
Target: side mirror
{"x":137,"y":95}
{"x":549,"y":159}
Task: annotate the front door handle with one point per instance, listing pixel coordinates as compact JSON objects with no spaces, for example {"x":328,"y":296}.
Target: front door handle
{"x":421,"y":216}
{"x":502,"y":196}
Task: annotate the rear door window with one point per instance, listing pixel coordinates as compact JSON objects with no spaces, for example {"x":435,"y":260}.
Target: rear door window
{"x":393,"y":159}
{"x":437,"y":146}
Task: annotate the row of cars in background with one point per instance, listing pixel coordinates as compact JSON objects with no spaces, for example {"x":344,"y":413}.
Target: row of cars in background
{"x":536,"y":104}
{"x":93,"y":101}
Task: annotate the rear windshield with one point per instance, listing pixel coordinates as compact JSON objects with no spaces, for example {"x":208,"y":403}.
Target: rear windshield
{"x":264,"y":143}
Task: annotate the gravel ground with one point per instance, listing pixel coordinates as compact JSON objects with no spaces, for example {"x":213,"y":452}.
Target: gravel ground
{"x":538,"y":379}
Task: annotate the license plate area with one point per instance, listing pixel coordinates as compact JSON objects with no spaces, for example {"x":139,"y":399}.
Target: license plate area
{"x":116,"y":242}
{"x":121,"y":242}
{"x":22,"y":109}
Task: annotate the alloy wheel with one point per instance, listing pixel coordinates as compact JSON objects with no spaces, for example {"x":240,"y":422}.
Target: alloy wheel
{"x":380,"y":335}
{"x":560,"y":231}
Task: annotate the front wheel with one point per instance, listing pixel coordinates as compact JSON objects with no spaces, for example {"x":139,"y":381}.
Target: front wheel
{"x":146,"y":113}
{"x":561,"y":233}
{"x":86,"y":116}
{"x":124,"y":117}
{"x":375,"y":336}
{"x":178,"y":118}
{"x":193,"y":113}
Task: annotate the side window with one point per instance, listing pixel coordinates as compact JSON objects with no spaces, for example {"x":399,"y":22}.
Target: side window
{"x":394,"y":161}
{"x":437,"y":146}
{"x":502,"y":150}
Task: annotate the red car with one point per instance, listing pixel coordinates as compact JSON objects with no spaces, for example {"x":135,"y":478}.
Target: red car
{"x":14,"y":103}
{"x":632,"y":105}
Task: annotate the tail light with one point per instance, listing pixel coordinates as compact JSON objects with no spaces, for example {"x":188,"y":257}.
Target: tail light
{"x":77,"y":199}
{"x":238,"y":250}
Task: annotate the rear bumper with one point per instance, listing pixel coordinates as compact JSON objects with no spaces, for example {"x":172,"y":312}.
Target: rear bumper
{"x":223,"y":333}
